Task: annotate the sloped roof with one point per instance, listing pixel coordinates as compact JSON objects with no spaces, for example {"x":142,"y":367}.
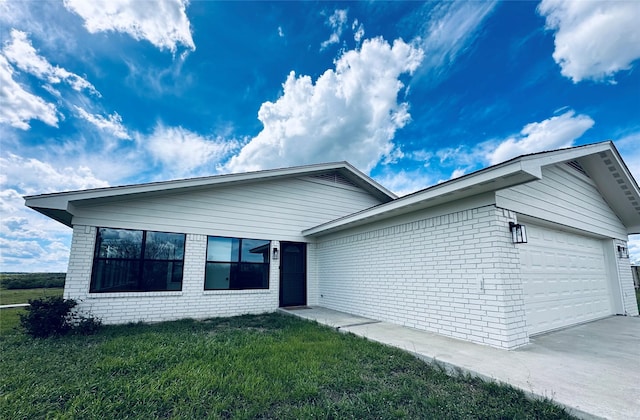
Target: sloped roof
{"x":59,"y":206}
{"x":601,"y":161}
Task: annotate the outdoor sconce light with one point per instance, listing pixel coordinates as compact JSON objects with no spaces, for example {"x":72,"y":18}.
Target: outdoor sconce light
{"x":518,"y":233}
{"x":275,"y":253}
{"x":623,"y":252}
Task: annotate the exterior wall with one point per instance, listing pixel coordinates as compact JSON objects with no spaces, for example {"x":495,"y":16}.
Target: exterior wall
{"x":567,"y":197}
{"x":192,"y":302}
{"x":260,"y":210}
{"x":623,"y":268}
{"x":270,"y":210}
{"x":313,"y":287}
{"x":455,"y":274}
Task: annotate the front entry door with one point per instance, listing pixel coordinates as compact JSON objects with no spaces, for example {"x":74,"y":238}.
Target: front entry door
{"x":293,"y":274}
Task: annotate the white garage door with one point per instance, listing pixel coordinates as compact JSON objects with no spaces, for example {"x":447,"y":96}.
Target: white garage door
{"x":564,"y":278}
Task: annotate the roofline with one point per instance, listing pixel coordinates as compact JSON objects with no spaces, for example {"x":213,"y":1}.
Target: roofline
{"x":59,"y":206}
{"x":520,"y":169}
{"x":214,"y":180}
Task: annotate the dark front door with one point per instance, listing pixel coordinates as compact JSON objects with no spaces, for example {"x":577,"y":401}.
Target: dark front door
{"x":293,"y":274}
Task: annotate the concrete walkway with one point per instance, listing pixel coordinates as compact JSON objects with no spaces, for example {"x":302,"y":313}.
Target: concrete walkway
{"x":592,"y":369}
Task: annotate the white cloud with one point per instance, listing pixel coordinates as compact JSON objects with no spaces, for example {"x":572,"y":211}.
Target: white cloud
{"x":18,"y":105}
{"x":32,"y":176}
{"x":629,"y":148}
{"x":403,"y":182}
{"x":350,"y":113}
{"x":24,"y":56}
{"x":593,"y":39}
{"x":337,"y":21}
{"x":358,"y":31}
{"x":634,"y":249}
{"x":553,"y":133}
{"x":30,"y":241}
{"x":112,"y":124}
{"x":449,"y":30}
{"x":164,"y":23}
{"x":280,"y":32}
{"x":182,"y":151}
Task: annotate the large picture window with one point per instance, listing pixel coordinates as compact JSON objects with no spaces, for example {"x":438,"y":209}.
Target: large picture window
{"x":137,"y":261}
{"x":237,"y":264}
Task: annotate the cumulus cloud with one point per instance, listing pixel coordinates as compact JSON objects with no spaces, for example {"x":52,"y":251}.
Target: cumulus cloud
{"x":19,"y":51}
{"x":163,"y":23}
{"x":182,"y":151}
{"x":449,"y":29}
{"x":350,"y":113}
{"x":111,"y":124}
{"x":18,"y":105}
{"x":33,"y":176}
{"x":593,"y":39}
{"x":553,"y":133}
{"x":337,"y":21}
{"x":27,"y":236}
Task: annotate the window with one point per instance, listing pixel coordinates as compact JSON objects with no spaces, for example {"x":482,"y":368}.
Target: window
{"x":237,"y":264}
{"x":137,"y":261}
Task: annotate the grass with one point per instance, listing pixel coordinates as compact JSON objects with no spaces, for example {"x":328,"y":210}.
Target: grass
{"x":31,"y":280}
{"x":9,"y":318}
{"x":263,"y":366}
{"x":23,"y":295}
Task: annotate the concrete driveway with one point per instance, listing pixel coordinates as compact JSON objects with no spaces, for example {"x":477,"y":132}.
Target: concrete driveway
{"x":592,"y":369}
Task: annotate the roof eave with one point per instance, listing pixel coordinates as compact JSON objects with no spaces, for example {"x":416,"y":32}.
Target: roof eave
{"x":498,"y":177}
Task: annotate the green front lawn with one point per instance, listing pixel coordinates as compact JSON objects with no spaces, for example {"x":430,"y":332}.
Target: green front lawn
{"x":9,"y":319}
{"x":265,"y":366}
{"x":23,"y":295}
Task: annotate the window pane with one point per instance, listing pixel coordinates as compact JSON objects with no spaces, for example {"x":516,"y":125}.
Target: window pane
{"x":251,"y":276}
{"x":255,"y":250}
{"x":222,"y":249}
{"x":119,"y":243}
{"x":218,"y":276}
{"x":164,"y":246}
{"x":115,"y":276}
{"x":162,"y":275}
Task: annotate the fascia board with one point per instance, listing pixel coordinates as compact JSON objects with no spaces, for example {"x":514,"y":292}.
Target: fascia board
{"x":499,"y":177}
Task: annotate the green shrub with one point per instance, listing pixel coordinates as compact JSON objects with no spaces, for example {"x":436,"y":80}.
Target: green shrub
{"x":32,"y":280}
{"x":55,"y":316}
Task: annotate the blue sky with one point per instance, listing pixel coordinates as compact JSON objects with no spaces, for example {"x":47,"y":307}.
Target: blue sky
{"x":116,"y":92}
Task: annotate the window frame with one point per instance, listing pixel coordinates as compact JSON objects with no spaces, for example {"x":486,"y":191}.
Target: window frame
{"x":138,"y":264}
{"x":236,"y":265}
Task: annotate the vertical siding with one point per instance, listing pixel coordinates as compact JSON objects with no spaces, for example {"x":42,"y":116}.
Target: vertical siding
{"x":455,"y":274}
{"x":263,"y":210}
{"x":564,"y":196}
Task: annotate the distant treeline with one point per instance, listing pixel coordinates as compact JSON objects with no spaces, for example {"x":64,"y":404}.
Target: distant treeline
{"x":31,"y":280}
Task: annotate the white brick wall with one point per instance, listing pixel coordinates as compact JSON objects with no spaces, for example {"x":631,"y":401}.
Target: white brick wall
{"x":455,"y":274}
{"x":191,"y":302}
{"x":625,"y":277}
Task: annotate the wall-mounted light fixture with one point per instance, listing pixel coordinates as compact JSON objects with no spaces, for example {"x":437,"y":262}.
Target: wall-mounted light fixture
{"x":623,"y":252}
{"x":275,"y":253}
{"x":518,"y":233}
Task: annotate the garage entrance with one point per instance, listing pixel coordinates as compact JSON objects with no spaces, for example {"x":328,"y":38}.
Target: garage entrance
{"x":564,"y":279}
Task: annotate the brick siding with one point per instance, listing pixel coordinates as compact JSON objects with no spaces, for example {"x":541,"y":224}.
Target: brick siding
{"x":455,"y":274}
{"x":192,"y":302}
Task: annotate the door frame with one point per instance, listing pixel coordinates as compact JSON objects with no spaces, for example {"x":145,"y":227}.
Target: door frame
{"x":282,"y":256}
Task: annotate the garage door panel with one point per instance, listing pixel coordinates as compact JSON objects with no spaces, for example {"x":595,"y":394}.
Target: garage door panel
{"x":564,"y":279}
